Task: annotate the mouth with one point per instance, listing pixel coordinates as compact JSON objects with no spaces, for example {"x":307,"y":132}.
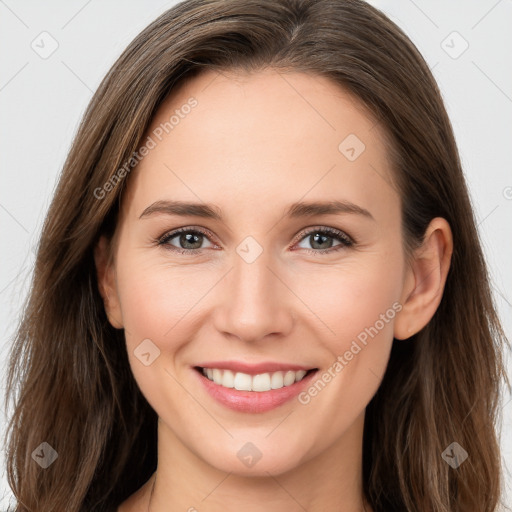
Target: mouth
{"x":253,"y":390}
{"x":258,"y":383}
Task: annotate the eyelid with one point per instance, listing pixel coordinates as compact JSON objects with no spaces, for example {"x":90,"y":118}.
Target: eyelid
{"x":324,"y":229}
{"x":174,"y":232}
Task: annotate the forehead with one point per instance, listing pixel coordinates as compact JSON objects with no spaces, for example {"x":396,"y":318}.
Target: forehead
{"x":265,"y":135}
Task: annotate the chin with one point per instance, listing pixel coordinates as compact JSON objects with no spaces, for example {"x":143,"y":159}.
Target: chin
{"x":254,"y":458}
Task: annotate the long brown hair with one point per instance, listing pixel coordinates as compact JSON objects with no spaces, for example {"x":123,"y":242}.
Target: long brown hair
{"x":69,"y":375}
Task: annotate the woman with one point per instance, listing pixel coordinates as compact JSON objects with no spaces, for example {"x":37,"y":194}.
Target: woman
{"x":252,"y":285}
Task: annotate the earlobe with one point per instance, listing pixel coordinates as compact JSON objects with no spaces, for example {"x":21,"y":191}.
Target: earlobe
{"x":105,"y":272}
{"x":425,"y":280}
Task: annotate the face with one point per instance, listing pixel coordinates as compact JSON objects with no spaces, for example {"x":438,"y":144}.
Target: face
{"x":295,"y":307}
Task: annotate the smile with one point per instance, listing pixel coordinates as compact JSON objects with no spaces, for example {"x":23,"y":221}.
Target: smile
{"x":253,"y":388}
{"x":259,"y":383}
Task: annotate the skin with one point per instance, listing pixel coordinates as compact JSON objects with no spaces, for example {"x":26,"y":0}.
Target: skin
{"x":254,"y":144}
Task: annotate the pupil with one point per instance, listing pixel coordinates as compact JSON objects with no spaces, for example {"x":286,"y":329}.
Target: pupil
{"x":317,"y":236}
{"x":186,"y":239}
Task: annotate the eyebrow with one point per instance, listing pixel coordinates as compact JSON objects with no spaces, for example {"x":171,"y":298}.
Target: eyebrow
{"x":295,"y":210}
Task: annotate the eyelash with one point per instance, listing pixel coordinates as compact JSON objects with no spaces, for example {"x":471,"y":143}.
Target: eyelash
{"x":345,"y":240}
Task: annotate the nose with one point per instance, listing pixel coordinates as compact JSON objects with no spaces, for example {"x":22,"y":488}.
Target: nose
{"x":254,"y":301}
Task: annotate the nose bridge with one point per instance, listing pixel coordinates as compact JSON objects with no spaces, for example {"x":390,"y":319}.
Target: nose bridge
{"x":255,"y":302}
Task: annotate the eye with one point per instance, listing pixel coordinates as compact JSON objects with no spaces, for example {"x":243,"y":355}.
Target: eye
{"x":189,"y":240}
{"x":321,"y":240}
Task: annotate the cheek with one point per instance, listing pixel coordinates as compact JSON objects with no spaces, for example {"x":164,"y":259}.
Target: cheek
{"x":161,"y":303}
{"x":155,"y":297}
{"x":357,"y":308}
{"x":156,"y":316}
{"x":365,"y":314}
{"x":353,"y":302}
{"x":152,"y":305}
{"x":146,"y":310}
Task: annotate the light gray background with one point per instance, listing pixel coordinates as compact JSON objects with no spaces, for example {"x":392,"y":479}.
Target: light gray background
{"x":42,"y":101}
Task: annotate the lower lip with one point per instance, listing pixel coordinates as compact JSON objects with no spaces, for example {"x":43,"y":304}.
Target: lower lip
{"x":253,"y":401}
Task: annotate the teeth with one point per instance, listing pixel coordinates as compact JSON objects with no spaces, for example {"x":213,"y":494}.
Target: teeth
{"x":243,"y":382}
{"x":289,"y":378}
{"x":276,"y":381}
{"x":261,"y":382}
{"x":217,"y":376}
{"x":246,"y":382}
{"x":228,"y":379}
{"x":300,"y":375}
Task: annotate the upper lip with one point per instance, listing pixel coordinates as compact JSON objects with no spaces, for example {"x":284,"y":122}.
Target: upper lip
{"x":253,"y":368}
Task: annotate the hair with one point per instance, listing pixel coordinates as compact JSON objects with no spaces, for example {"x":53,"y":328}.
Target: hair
{"x":68,"y":373}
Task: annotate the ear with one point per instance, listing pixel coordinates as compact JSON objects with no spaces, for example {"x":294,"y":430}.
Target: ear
{"x":105,"y":271}
{"x":425,"y":280}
